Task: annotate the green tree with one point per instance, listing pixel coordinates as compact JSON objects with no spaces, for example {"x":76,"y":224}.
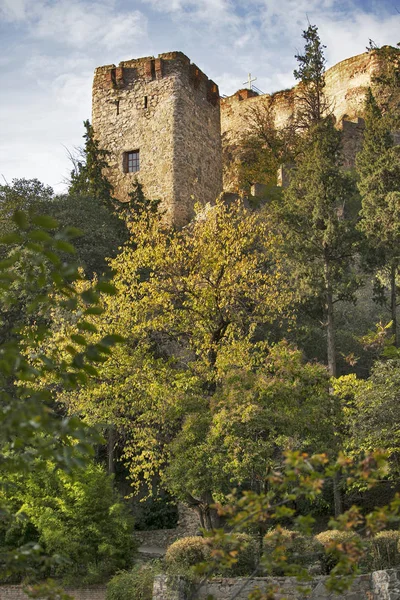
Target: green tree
{"x":378,"y":166}
{"x":77,"y":515}
{"x":191,"y":302}
{"x":29,"y":429}
{"x":312,"y":104}
{"x":237,"y":439}
{"x":318,"y":216}
{"x":87,"y":176}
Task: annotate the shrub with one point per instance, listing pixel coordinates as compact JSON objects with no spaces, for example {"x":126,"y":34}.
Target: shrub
{"x":331,"y":540}
{"x":136,"y":584}
{"x":247,"y":553}
{"x":190,"y":551}
{"x":186,"y":552}
{"x":384,"y":550}
{"x":291,"y":547}
{"x":80,"y":517}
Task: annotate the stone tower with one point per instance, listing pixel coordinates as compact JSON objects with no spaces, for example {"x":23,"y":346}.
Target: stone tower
{"x":160,"y":120}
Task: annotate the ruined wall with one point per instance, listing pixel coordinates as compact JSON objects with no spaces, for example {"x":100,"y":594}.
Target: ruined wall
{"x":346,"y":85}
{"x":167,"y":109}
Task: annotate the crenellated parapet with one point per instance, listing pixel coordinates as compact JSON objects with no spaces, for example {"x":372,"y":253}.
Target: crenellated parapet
{"x":149,"y":68}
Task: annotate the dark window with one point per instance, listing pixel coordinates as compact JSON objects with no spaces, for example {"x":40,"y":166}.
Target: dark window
{"x":132,"y":164}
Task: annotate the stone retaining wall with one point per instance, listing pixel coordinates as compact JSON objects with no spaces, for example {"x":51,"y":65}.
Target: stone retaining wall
{"x":380,"y":585}
{"x":15,"y":592}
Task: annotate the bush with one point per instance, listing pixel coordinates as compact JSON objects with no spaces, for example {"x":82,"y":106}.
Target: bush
{"x":136,"y":584}
{"x":384,"y":551}
{"x":186,"y":552}
{"x":80,"y":517}
{"x":331,"y":539}
{"x":293,"y":548}
{"x":247,"y":554}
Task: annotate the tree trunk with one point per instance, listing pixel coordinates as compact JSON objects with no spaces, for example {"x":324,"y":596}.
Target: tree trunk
{"x":393,"y":303}
{"x":208,"y":516}
{"x":110,"y":450}
{"x":337,"y":495}
{"x":331,"y":349}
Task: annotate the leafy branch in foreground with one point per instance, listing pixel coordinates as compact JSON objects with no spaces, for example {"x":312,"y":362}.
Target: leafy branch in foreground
{"x":29,"y":428}
{"x":302,"y":477}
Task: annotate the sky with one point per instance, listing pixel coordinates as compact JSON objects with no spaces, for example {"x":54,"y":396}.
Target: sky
{"x":50,"y":48}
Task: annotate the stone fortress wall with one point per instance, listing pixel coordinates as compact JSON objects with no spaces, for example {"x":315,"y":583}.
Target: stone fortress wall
{"x":168,"y":110}
{"x":346,"y":84}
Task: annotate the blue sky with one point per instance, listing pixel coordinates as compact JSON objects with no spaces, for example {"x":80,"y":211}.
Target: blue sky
{"x":50,"y":48}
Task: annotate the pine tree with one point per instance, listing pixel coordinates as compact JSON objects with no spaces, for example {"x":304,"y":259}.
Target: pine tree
{"x":312,"y":102}
{"x":87,"y":176}
{"x":319,"y":221}
{"x":378,"y":166}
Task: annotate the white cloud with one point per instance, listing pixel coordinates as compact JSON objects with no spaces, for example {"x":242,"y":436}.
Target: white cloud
{"x":83,"y":24}
{"x":216,"y":13}
{"x":13,"y":10}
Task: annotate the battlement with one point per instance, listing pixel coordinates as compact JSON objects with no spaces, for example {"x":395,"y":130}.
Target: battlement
{"x":150,"y":68}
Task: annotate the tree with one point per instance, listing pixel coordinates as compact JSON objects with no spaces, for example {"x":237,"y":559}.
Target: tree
{"x":87,"y":176}
{"x":29,"y":429}
{"x":263,"y":148}
{"x":238,"y":438}
{"x":312,"y":104}
{"x":191,"y":302}
{"x":318,"y":216}
{"x":76,"y":514}
{"x":378,"y":166}
{"x":103,"y":232}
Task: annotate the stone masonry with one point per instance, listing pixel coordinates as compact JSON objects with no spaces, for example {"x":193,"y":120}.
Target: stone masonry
{"x":168,"y":111}
{"x":345,"y":85}
{"x":379,"y":585}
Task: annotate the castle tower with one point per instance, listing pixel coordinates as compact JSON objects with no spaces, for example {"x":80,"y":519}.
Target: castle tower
{"x":160,"y":120}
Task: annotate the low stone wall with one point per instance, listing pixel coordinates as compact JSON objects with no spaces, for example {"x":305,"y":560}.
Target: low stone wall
{"x":380,"y":585}
{"x":15,"y":592}
{"x":287,"y":588}
{"x":188,"y":524}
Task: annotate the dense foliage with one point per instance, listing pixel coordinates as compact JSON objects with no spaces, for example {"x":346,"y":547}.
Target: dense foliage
{"x":229,"y":374}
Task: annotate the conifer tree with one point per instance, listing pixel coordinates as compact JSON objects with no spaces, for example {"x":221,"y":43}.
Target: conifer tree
{"x":87,"y":176}
{"x":320,"y":225}
{"x":316,"y":213}
{"x":378,"y":165}
{"x":311,"y":100}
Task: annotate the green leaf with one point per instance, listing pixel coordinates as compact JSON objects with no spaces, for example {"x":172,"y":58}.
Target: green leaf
{"x":86,"y":326}
{"x":11,"y":238}
{"x":20,"y":219}
{"x":37,"y":235}
{"x":111,"y":340}
{"x":90,"y":297}
{"x":65,"y":246}
{"x":94,"y":310}
{"x":79,"y":339}
{"x":45,"y":221}
{"x":106,"y":288}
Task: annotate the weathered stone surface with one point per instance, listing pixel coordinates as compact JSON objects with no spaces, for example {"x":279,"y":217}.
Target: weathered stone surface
{"x":346,"y":84}
{"x":15,"y":592}
{"x":171,"y":112}
{"x":167,"y":109}
{"x":380,"y":585}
